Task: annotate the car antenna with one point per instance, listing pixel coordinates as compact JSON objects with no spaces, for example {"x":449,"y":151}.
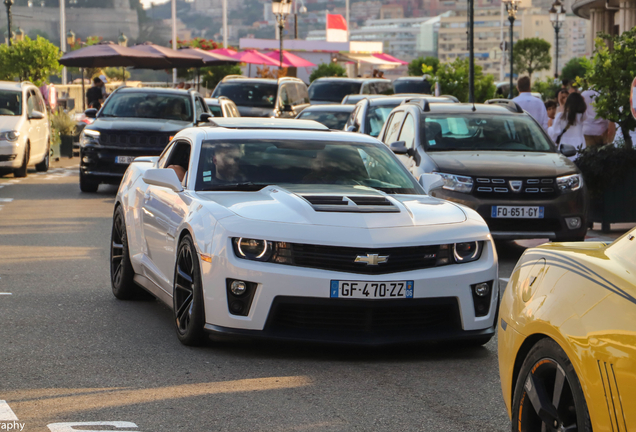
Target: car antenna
{"x":474,"y":109}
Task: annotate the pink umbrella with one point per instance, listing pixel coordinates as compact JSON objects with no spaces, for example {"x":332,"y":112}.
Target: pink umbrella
{"x":390,"y":58}
{"x":255,"y":57}
{"x":229,"y":52}
{"x":291,"y":59}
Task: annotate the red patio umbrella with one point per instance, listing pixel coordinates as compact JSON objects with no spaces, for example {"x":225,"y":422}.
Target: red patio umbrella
{"x":229,"y":52}
{"x":255,"y":57}
{"x":292,"y":59}
{"x":390,"y":58}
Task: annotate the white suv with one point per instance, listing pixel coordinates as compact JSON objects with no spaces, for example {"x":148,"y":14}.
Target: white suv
{"x":24,"y":128}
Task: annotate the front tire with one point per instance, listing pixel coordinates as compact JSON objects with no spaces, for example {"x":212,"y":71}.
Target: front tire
{"x":189,"y":315}
{"x":548,"y":395}
{"x":44,"y":165}
{"x":121,"y":270}
{"x":86,"y":184}
{"x":22,"y":171}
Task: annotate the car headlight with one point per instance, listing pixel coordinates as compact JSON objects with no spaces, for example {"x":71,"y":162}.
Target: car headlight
{"x":457,"y":183}
{"x":262,"y":250}
{"x":467,"y":252}
{"x":9,"y":135}
{"x":570,"y":182}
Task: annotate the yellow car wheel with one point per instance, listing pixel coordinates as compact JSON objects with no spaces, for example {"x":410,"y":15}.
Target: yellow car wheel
{"x":548,"y":395}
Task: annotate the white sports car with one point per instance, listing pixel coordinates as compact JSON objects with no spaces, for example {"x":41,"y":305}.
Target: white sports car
{"x":285,"y":229}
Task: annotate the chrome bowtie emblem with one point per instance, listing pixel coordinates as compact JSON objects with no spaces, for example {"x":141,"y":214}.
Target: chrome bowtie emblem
{"x":372,"y":259}
{"x":516,"y":185}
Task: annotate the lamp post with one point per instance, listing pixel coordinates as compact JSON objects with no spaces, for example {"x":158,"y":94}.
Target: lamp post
{"x":511,"y":8}
{"x":471,"y":51}
{"x":122,"y":39}
{"x":302,"y":10}
{"x":557,"y":18}
{"x":19,"y":34}
{"x":70,"y":38}
{"x":8,"y":4}
{"x":281,"y":10}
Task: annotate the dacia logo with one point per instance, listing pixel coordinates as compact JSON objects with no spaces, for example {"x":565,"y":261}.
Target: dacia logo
{"x":516,"y":185}
{"x":372,"y":259}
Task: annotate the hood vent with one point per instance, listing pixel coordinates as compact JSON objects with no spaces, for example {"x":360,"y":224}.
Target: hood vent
{"x":351,"y":204}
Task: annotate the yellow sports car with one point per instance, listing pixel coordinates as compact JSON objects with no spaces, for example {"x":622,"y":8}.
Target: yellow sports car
{"x":567,"y":338}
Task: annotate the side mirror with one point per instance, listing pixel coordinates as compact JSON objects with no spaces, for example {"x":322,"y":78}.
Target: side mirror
{"x":91,"y":113}
{"x":287,"y":108}
{"x":399,"y":148}
{"x":430,"y":181}
{"x":36,"y":115}
{"x":205,"y":117}
{"x":568,"y":150}
{"x":149,"y":159}
{"x":163,"y":177}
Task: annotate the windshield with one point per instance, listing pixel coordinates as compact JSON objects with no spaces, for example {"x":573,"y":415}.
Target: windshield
{"x":216,"y":110}
{"x":484,"y":132}
{"x":148,"y":105}
{"x":10,"y":103}
{"x":376,"y":117}
{"x":333,"y":120}
{"x":251,"y":164}
{"x":332,"y":91}
{"x":261,"y":95}
{"x":412,"y":86}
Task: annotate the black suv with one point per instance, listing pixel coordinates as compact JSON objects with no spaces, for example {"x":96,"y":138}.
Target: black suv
{"x":134,"y":122}
{"x":496,"y":159}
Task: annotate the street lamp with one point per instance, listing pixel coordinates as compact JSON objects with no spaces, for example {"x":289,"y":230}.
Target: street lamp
{"x":511,"y":8}
{"x":302,"y":10}
{"x":19,"y":34}
{"x":122,"y":39}
{"x":281,"y":9}
{"x":557,"y":18}
{"x":8,"y":4}
{"x":70,"y":38}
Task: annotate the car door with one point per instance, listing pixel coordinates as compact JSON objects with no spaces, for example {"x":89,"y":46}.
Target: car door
{"x":407,"y":134}
{"x":302,"y":97}
{"x":163,"y":212}
{"x":200,"y":107}
{"x":34,"y":126}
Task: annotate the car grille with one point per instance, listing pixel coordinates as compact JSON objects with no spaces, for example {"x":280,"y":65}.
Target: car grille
{"x":524,"y":225}
{"x":6,"y":158}
{"x":342,"y":259}
{"x":498,"y":187}
{"x":345,"y":317}
{"x":134,"y":139}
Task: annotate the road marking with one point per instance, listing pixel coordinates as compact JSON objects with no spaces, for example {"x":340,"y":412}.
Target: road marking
{"x":6,"y":293}
{"x":6,"y":199}
{"x":68,"y":427}
{"x":6,"y":413}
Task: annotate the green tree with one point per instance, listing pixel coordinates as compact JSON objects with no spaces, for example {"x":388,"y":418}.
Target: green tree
{"x":415,"y":67}
{"x":611,"y":73}
{"x":212,"y":75}
{"x":453,"y":80}
{"x":327,"y":70}
{"x":575,"y":68}
{"x":116,"y":73}
{"x":531,"y":55}
{"x":29,"y":60}
{"x":547,"y":88}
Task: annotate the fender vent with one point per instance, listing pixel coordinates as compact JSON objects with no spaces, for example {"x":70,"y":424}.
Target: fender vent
{"x":612,"y":396}
{"x":351,"y":204}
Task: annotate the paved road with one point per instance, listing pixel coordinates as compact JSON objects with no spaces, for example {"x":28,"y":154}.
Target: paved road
{"x":71,"y":352}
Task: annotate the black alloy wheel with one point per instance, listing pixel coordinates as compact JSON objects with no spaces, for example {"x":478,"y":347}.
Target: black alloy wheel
{"x":121,"y":270}
{"x":22,"y":171}
{"x":548,"y":395}
{"x":44,"y":165}
{"x":189,"y":315}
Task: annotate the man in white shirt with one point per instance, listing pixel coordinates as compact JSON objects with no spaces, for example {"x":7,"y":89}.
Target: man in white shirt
{"x":594,"y":128}
{"x":533,"y":105}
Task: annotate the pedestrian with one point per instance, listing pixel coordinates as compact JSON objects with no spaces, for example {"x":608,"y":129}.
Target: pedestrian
{"x":562,"y":96}
{"x":565,"y":84}
{"x":103,"y":86}
{"x":551,"y":108}
{"x":595,"y":130}
{"x":426,"y":84}
{"x":532,"y":104}
{"x":568,"y":125}
{"x":94,"y":95}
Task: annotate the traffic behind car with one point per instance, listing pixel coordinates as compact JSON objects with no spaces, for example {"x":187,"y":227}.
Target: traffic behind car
{"x":134,"y":122}
{"x":419,"y":85}
{"x":334,"y":116}
{"x":222,"y":107}
{"x":333,"y":90}
{"x":496,"y":160}
{"x":259,"y":97}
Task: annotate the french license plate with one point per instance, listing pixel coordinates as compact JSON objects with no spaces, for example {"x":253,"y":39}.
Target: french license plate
{"x":124,"y":159}
{"x":511,"y":212}
{"x":371,"y":290}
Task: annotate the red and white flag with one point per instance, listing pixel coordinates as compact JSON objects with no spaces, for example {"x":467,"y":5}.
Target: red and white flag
{"x":336,"y":28}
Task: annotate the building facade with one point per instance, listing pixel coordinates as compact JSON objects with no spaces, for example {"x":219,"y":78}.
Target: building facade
{"x":606,"y":16}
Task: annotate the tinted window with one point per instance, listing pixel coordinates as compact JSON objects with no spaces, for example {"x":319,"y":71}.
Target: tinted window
{"x":394,"y":127}
{"x":10,"y":103}
{"x":31,"y":102}
{"x":145,"y":105}
{"x":376,"y":117}
{"x":412,"y":86}
{"x":385,"y":88}
{"x":484,"y":132}
{"x":408,"y":131}
{"x":332,"y":91}
{"x":200,"y":106}
{"x":333,"y":120}
{"x":287,"y":162}
{"x":248,"y":94}
{"x":215,"y":110}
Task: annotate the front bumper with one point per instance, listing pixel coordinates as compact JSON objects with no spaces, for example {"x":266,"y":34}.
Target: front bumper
{"x":552,"y":225}
{"x":11,"y":154}
{"x":98,"y":162}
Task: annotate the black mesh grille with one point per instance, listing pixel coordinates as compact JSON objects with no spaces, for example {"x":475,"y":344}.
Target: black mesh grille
{"x":363,"y":317}
{"x":529,"y":225}
{"x":134,"y":139}
{"x":501,"y":187}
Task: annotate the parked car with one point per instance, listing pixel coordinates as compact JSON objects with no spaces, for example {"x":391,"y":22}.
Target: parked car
{"x":496,"y":160}
{"x":259,"y":97}
{"x":334,"y":116}
{"x":222,"y":107}
{"x":567,"y":340}
{"x":353,"y":99}
{"x":134,"y":122}
{"x":333,"y":90}
{"x":370,"y":114}
{"x":413,"y":85}
{"x":284,"y":229}
{"x":24,"y":129}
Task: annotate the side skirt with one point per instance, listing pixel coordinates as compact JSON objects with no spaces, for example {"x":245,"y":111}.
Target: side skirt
{"x":153,"y":289}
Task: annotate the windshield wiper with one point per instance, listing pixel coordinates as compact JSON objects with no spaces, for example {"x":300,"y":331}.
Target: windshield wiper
{"x":243,"y":187}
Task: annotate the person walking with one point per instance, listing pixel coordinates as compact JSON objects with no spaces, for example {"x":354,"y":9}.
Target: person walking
{"x":568,"y":125}
{"x":532,"y":104}
{"x":551,"y":108}
{"x":595,"y":130}
{"x":562,"y":96}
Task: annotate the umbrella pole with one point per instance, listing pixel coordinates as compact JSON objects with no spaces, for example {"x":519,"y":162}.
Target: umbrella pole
{"x":198,"y":78}
{"x":249,"y":70}
{"x":83,"y":92}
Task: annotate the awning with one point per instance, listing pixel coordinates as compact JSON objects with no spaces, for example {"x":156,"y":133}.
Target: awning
{"x":370,"y":59}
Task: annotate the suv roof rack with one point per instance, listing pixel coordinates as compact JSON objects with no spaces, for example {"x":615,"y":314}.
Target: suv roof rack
{"x":507,"y":103}
{"x":290,"y":79}
{"x":267,"y":123}
{"x":421,"y":102}
{"x":229,"y":77}
{"x":451,"y":97}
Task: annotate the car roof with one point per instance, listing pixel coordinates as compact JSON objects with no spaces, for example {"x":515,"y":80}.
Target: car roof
{"x":330,"y":108}
{"x":251,"y":80}
{"x":466,"y":108}
{"x":267,"y":123}
{"x":12,"y":85}
{"x":262,"y":134}
{"x":399,"y":99}
{"x":343,"y":79}
{"x":156,"y":90}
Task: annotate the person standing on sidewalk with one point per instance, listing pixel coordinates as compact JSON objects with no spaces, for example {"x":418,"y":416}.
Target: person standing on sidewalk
{"x":94,"y":95}
{"x":568,"y":125}
{"x":532,"y":104}
{"x":595,"y":129}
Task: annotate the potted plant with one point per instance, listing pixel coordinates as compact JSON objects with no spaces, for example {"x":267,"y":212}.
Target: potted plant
{"x":64,"y":125}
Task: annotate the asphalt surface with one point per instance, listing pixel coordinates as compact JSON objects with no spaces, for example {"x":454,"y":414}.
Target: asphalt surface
{"x":70,"y":352}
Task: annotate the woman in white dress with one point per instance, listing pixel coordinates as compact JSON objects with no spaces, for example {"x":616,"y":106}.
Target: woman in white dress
{"x":567,"y":127}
